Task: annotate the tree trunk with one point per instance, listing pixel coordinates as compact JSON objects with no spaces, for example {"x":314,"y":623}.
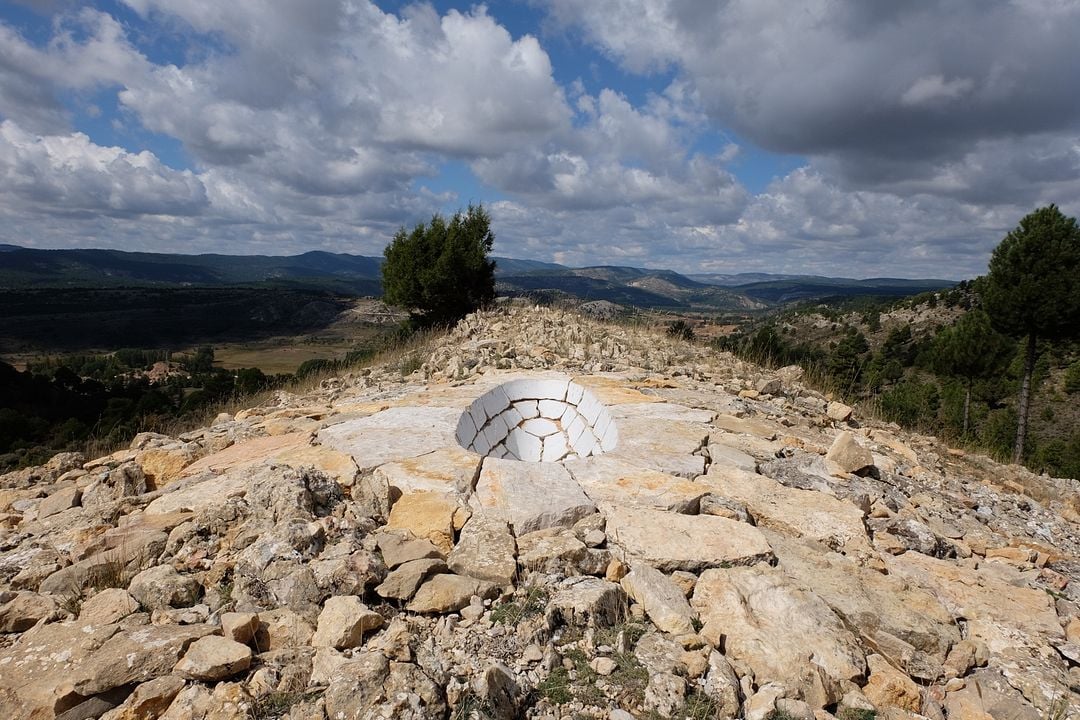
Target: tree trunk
{"x":1025,"y":398}
{"x":967,"y":405}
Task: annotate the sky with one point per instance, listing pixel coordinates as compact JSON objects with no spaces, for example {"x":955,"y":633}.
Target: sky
{"x":833,"y":137}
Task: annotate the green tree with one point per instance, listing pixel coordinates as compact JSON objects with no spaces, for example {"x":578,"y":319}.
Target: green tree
{"x":1033,"y":291}
{"x":969,"y":350}
{"x":441,"y":272}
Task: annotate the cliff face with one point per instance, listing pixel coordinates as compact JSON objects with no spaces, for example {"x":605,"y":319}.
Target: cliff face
{"x":705,"y":539}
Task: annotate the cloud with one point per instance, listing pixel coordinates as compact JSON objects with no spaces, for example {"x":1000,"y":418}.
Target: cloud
{"x":68,"y":174}
{"x":861,"y":83}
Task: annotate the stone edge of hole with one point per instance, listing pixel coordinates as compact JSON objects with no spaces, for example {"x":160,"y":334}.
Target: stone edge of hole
{"x":486,"y":421}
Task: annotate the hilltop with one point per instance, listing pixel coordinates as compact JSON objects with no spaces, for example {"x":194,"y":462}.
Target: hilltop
{"x":28,"y":268}
{"x":706,"y":538}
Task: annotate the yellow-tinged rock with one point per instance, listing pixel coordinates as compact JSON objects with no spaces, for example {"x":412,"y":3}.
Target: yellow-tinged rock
{"x":337,"y":465}
{"x":428,"y":515}
{"x":250,"y":452}
{"x":613,"y":391}
{"x":888,"y":687}
{"x":447,"y":470}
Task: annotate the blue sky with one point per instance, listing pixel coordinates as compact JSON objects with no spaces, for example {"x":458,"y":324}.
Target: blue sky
{"x":843,"y":139}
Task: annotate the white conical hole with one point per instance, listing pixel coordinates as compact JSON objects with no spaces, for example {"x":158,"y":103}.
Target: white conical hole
{"x":541,"y":420}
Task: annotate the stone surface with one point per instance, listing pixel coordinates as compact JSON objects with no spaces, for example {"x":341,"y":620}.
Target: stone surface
{"x":847,"y":456}
{"x":392,"y":435}
{"x":608,"y":479}
{"x":530,"y":496}
{"x":239,"y":626}
{"x":485,"y":550}
{"x":426,"y":515}
{"x":663,"y":600}
{"x":137,"y":655}
{"x":589,"y":601}
{"x":213,"y":658}
{"x":665,"y":445}
{"x":398,"y":548}
{"x":403,"y":582}
{"x":448,"y":470}
{"x":670,"y":541}
{"x":446,"y":593}
{"x":161,"y":586}
{"x":835,"y":523}
{"x":59,"y":501}
{"x":344,"y":620}
{"x":24,"y":611}
{"x":886,"y":687}
{"x":784,"y":633}
{"x":107,"y":607}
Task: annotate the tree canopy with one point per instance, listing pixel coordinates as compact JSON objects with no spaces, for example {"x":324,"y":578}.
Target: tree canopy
{"x":441,"y":271}
{"x":1033,"y":287}
{"x":1033,"y":290}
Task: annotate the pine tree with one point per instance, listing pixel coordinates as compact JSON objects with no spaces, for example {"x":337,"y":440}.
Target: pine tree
{"x":970,"y":349}
{"x":1033,"y":291}
{"x":440,"y":272}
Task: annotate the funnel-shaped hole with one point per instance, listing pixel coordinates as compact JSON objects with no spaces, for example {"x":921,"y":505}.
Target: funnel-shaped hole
{"x":539,"y":420}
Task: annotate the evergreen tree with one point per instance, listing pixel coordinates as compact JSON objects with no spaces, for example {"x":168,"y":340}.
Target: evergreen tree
{"x":970,"y":349}
{"x":1033,"y":291}
{"x":440,"y":272}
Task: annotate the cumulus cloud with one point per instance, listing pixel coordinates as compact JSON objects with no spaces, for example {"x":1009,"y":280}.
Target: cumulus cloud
{"x":857,"y":82}
{"x":68,"y":174}
{"x":924,"y":130}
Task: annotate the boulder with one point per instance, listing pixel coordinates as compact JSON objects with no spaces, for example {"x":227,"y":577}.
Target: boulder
{"x":398,"y":548}
{"x":782,"y":632}
{"x":486,"y":550}
{"x":887,"y":687}
{"x":671,"y":541}
{"x":149,"y":700}
{"x":590,"y":601}
{"x":239,"y":626}
{"x":552,"y":550}
{"x":663,"y":600}
{"x":847,"y":456}
{"x":161,"y":587}
{"x":447,"y":593}
{"x":107,"y":607}
{"x":530,"y":496}
{"x":426,"y":515}
{"x":403,"y":582}
{"x":24,"y":611}
{"x":343,"y":621}
{"x":213,"y":658}
{"x":59,"y":501}
{"x":838,"y":411}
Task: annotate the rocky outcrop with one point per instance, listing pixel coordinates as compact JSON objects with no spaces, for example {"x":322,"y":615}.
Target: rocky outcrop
{"x":748,"y":547}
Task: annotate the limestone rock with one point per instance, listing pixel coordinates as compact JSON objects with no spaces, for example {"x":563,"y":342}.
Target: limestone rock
{"x":670,"y":541}
{"x":393,"y":434}
{"x":427,"y":515}
{"x":59,"y":501}
{"x":803,"y":513}
{"x":530,"y":496}
{"x":449,"y":470}
{"x":282,"y":628}
{"x":722,"y":686}
{"x":24,"y":611}
{"x":161,"y":586}
{"x":214,"y":658}
{"x":610,"y":480}
{"x":107,"y":607}
{"x":149,"y":700}
{"x":589,"y":601}
{"x":485,"y":550}
{"x":499,"y":692}
{"x":446,"y":593}
{"x":551,"y":550}
{"x":403,"y":582}
{"x":135,"y":656}
{"x":847,"y":456}
{"x":886,"y":687}
{"x":239,"y":626}
{"x":397,"y":549}
{"x":668,"y":446}
{"x":664,"y":602}
{"x":785,"y":634}
{"x":343,"y":621}
{"x":838,"y":411}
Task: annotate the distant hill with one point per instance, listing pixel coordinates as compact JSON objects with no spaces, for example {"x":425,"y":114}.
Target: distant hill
{"x":27,"y":268}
